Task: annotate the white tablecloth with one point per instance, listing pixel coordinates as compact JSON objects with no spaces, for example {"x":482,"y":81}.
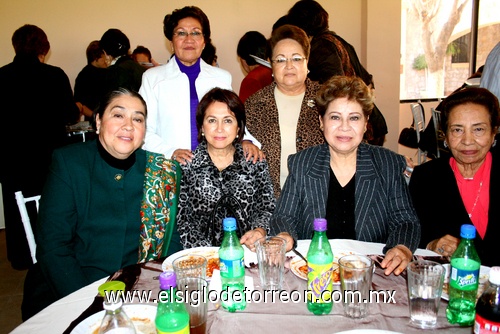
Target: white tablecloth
{"x":58,"y":316}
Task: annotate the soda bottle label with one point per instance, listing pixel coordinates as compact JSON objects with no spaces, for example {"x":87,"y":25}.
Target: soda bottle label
{"x":319,"y":278}
{"x":464,"y":279}
{"x":232,"y":268}
{"x":185,"y":330}
{"x":483,"y":326}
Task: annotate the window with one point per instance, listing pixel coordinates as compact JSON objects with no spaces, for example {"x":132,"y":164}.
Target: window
{"x":435,"y":59}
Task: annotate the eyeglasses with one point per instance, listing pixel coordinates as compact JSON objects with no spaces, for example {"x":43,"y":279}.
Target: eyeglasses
{"x":184,"y":34}
{"x":282,"y":60}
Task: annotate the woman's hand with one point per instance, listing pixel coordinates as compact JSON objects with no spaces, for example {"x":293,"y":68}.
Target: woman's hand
{"x":444,"y":246}
{"x":396,"y":259}
{"x":182,"y":156}
{"x":252,"y":152}
{"x":249,"y":238}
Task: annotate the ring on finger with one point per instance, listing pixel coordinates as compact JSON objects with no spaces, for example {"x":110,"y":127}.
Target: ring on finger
{"x":440,"y":250}
{"x":174,"y":157}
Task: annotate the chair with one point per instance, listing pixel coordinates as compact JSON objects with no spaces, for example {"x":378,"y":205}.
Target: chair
{"x":417,"y":110}
{"x":436,"y":118}
{"x":21,"y":203}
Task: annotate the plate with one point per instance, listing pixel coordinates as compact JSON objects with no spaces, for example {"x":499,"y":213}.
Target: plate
{"x":142,"y":315}
{"x":484,"y":275}
{"x":210,"y":253}
{"x":299,"y":266}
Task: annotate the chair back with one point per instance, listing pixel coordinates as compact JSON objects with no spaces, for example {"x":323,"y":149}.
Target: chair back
{"x":436,"y":119}
{"x":417,"y":111}
{"x":21,"y":203}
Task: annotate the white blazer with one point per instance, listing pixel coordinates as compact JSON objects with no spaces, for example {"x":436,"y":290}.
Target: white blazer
{"x":166,"y":92}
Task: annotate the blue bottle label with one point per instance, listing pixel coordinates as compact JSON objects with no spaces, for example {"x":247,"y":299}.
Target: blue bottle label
{"x":232,"y":268}
{"x":464,"y":279}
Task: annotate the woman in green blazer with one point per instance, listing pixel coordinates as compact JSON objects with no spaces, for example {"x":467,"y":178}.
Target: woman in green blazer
{"x":106,"y":204}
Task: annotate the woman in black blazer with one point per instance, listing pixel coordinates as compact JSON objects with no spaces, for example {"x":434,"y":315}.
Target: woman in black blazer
{"x":463,"y":188}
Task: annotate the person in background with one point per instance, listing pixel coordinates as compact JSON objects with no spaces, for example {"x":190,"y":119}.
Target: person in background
{"x":359,"y":188}
{"x":463,"y":188}
{"x":332,"y":55}
{"x":209,"y":55}
{"x":219,"y":182}
{"x":142,"y":55}
{"x":89,"y":83}
{"x":106,"y":204}
{"x":283,"y":116}
{"x":123,"y":70}
{"x":490,"y":78}
{"x":172,"y":91}
{"x":257,"y":76}
{"x":39,"y":103}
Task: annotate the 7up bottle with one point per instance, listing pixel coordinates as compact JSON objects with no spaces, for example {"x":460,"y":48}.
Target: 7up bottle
{"x":464,"y":279}
{"x":320,"y":265}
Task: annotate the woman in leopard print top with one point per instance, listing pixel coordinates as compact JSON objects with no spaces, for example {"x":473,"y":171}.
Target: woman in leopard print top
{"x":283,"y":116}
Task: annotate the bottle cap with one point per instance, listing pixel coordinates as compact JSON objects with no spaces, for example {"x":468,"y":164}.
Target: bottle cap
{"x":112,"y":306}
{"x":320,"y":224}
{"x":468,"y":231}
{"x":229,"y":224}
{"x":167,"y":279}
{"x":110,"y":286}
{"x":495,"y":275}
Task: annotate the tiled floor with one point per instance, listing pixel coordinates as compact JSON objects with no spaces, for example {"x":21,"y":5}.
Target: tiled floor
{"x":11,"y":291}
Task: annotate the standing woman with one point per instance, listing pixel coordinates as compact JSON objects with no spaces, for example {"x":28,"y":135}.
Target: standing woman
{"x":283,"y":116}
{"x":172,"y":91}
{"x":219,"y":182}
{"x":106,"y":204}
{"x":464,"y":188}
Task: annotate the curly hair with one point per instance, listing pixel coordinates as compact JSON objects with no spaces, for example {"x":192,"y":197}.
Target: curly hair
{"x":353,"y":88}
{"x":172,"y":20}
{"x":292,"y":32}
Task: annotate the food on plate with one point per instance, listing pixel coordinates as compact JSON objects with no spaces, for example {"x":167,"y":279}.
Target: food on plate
{"x":143,"y":325}
{"x":212,"y":264}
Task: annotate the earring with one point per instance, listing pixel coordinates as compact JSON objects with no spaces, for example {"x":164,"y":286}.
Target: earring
{"x":97,"y":131}
{"x":237,"y":136}
{"x":203,"y":134}
{"x":445,"y":144}
{"x":494,"y":143}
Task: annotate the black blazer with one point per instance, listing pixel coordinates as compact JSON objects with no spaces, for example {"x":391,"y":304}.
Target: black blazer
{"x":383,"y":210}
{"x":441,"y":211}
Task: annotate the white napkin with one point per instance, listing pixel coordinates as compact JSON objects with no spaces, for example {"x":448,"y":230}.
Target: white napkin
{"x":216,"y":284}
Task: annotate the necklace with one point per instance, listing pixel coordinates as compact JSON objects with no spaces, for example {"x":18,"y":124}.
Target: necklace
{"x":477,"y":198}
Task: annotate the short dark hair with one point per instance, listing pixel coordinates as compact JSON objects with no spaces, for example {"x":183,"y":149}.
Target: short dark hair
{"x":309,"y":15}
{"x":172,"y":20}
{"x":94,"y":51}
{"x":115,"y":43}
{"x":232,"y":101}
{"x":209,"y":53}
{"x":142,"y":50}
{"x":112,"y":95}
{"x":473,"y":95}
{"x":352,"y":88}
{"x":252,"y":43}
{"x":292,"y":32}
{"x":29,"y":40}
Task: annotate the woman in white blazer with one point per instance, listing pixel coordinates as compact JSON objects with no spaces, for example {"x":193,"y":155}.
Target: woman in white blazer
{"x":172,"y":91}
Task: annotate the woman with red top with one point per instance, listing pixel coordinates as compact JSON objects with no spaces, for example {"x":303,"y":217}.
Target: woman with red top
{"x":463,"y":188}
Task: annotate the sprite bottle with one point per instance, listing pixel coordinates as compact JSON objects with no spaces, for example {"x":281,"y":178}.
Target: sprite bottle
{"x":464,"y":279}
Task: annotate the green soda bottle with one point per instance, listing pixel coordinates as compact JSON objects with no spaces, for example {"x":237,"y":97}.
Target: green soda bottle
{"x":320,"y":266}
{"x":464,"y":279}
{"x":232,"y":268}
{"x":171,"y":314}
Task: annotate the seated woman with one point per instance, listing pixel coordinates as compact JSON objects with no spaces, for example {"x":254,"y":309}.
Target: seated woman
{"x":219,"y":182}
{"x":98,"y":210}
{"x":464,"y":188}
{"x":359,"y":188}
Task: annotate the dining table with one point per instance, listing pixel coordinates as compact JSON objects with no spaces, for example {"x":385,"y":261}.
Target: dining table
{"x":285,"y":313}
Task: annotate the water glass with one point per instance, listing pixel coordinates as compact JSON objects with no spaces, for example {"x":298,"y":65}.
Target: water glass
{"x":195,"y":295}
{"x":355,"y":281}
{"x":425,"y":285}
{"x":271,"y":256}
{"x":190,"y":265}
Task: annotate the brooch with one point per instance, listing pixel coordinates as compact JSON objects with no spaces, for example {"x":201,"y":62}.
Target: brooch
{"x":311,"y":103}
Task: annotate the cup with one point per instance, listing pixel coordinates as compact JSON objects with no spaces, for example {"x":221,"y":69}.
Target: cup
{"x":425,"y":284}
{"x":355,"y":281}
{"x":271,"y":258}
{"x":195,"y":296}
{"x":190,"y":265}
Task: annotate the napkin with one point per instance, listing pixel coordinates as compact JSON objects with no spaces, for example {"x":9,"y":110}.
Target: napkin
{"x":216,"y":284}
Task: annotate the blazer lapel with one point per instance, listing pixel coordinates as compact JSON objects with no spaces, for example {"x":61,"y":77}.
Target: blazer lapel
{"x":317,"y":177}
{"x":366,"y":176}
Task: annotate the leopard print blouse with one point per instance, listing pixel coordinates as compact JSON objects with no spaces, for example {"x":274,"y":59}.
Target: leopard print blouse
{"x":263,"y":123}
